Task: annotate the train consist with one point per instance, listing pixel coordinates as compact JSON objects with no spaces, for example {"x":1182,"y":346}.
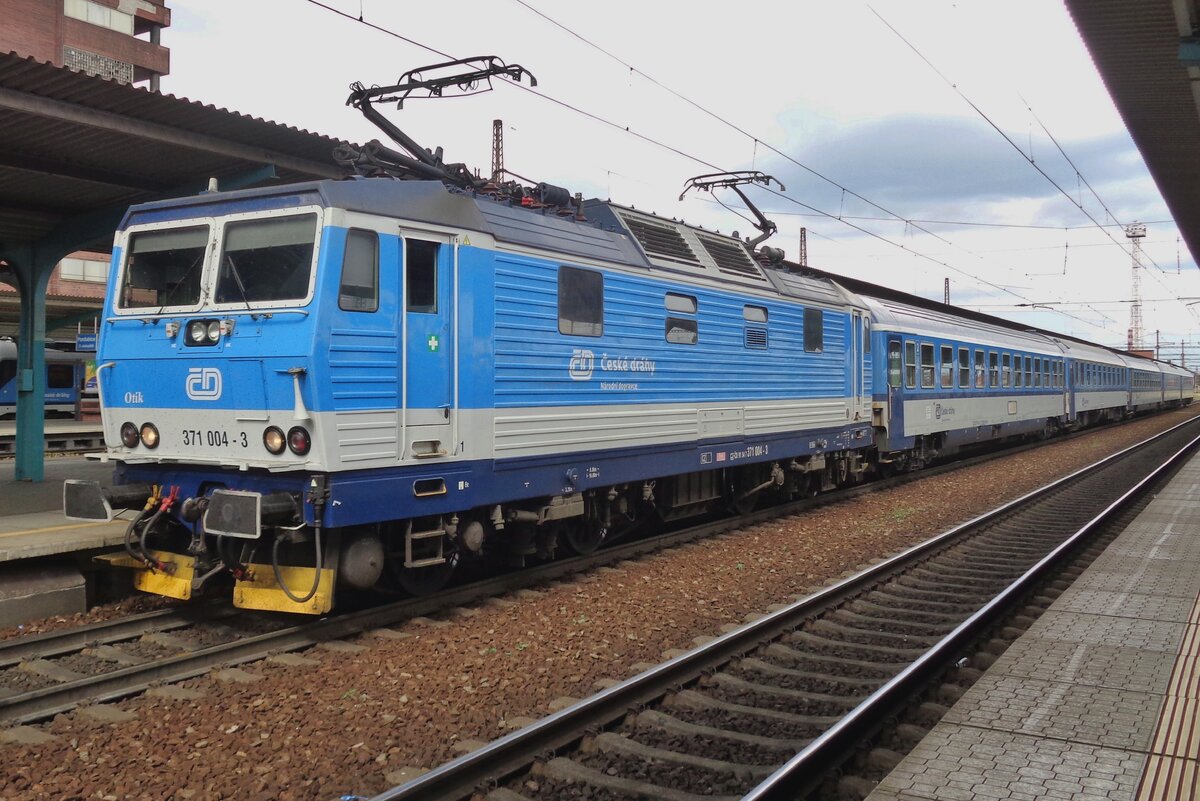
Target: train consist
{"x":349,"y":384}
{"x":65,"y":374}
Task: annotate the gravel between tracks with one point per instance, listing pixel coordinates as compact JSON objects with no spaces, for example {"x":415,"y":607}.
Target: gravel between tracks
{"x":350,"y":722}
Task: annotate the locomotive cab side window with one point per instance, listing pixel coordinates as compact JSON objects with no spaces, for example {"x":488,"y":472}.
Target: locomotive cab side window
{"x":420,"y":275}
{"x":163,"y":268}
{"x":359,"y":290}
{"x":580,"y":302}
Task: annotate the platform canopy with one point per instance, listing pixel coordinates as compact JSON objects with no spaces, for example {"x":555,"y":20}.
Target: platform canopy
{"x":76,"y":151}
{"x":1148,"y":54}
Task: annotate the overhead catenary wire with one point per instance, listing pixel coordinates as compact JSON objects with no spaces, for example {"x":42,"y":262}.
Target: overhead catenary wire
{"x":1027,"y":156}
{"x":691,"y":157}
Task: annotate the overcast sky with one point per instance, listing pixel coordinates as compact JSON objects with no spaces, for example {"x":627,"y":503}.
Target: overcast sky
{"x":829,"y":85}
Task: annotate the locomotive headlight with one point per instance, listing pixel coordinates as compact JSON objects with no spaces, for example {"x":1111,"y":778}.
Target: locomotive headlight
{"x":299,"y":441}
{"x":149,"y":435}
{"x":274,"y":441}
{"x":129,"y":435}
{"x":214,"y":331}
{"x":197,"y":330}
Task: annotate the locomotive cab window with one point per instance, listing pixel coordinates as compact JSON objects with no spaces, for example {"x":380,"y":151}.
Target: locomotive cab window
{"x":420,"y":275}
{"x":163,"y":268}
{"x":266,"y":260}
{"x":359,"y":290}
{"x":580,"y":302}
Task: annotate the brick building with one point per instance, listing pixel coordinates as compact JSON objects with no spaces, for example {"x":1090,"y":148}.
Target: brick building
{"x":115,"y":39}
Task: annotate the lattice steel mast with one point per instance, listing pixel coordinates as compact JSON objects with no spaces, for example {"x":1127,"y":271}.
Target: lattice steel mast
{"x":1136,"y":232}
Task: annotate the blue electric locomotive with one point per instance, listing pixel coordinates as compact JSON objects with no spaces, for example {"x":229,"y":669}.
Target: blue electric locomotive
{"x":303,"y":384}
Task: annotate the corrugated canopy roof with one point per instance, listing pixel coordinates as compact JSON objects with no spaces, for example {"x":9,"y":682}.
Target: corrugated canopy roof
{"x":71,"y":143}
{"x":1136,"y":49}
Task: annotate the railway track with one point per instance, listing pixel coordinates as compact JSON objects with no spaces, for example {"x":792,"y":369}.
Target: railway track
{"x":767,"y":711}
{"x":44,"y":675}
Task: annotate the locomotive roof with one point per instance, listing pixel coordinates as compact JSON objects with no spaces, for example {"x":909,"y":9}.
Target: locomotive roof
{"x":611,"y":233}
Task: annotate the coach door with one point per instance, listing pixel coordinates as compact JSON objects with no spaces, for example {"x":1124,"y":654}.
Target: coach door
{"x":858,"y":362}
{"x":430,"y":350}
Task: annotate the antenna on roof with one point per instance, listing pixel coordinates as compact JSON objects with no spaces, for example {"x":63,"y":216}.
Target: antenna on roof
{"x":430,"y":81}
{"x":734,"y":180}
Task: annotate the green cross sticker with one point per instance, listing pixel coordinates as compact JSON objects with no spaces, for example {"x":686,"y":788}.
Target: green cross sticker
{"x":433,"y":343}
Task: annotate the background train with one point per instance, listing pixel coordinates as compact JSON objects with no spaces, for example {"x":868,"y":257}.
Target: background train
{"x":66,"y":372}
{"x":351,"y":383}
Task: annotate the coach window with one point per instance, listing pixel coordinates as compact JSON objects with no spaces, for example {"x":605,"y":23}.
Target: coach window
{"x":360,"y":272}
{"x":580,"y":302}
{"x":814,"y":330}
{"x":420,"y":275}
{"x":927,"y":366}
{"x":910,"y":365}
{"x":1018,"y":374}
{"x":993,"y":369}
{"x":1029,"y":371}
{"x":60,"y":376}
{"x":979,"y":369}
{"x":894,"y":364}
{"x":1037,"y":371}
{"x":964,"y":367}
{"x":947,"y":366}
{"x":1006,"y":370}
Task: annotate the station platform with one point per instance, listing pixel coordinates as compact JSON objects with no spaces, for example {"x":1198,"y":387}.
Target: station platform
{"x":60,"y":436}
{"x":1100,"y":698}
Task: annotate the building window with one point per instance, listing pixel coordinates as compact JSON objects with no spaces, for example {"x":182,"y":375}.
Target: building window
{"x":814,"y":330}
{"x":96,"y":14}
{"x":360,"y":272}
{"x":580,"y":302}
{"x":91,"y":270}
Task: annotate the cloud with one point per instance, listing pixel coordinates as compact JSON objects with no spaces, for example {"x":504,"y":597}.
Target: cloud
{"x":937,"y":167}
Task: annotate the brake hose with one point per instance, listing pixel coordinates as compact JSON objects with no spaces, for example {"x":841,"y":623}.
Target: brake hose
{"x":279,"y":574}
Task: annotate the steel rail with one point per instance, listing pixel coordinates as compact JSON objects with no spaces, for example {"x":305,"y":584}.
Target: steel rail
{"x":56,"y":643}
{"x":797,"y":775}
{"x":463,"y":775}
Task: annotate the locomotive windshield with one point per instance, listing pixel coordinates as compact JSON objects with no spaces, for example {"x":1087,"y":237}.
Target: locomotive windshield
{"x":266,"y":260}
{"x":164,"y":268}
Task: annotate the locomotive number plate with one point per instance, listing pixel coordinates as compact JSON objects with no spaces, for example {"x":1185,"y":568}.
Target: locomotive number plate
{"x":214,"y":438}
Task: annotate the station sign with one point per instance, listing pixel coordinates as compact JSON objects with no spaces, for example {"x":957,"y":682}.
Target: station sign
{"x":85,"y":342}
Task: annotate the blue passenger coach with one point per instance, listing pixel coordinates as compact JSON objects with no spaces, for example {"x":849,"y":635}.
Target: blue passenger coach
{"x":946,"y":381}
{"x":308,"y":383}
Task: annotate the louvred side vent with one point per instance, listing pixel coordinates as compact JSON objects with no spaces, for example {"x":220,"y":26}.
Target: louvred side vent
{"x":661,"y":241}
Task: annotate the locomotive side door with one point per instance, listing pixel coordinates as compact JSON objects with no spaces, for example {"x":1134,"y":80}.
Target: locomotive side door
{"x":427,"y":371}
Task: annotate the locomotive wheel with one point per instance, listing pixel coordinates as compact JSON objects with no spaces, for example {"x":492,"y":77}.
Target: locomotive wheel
{"x":584,"y":537}
{"x":420,"y":581}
